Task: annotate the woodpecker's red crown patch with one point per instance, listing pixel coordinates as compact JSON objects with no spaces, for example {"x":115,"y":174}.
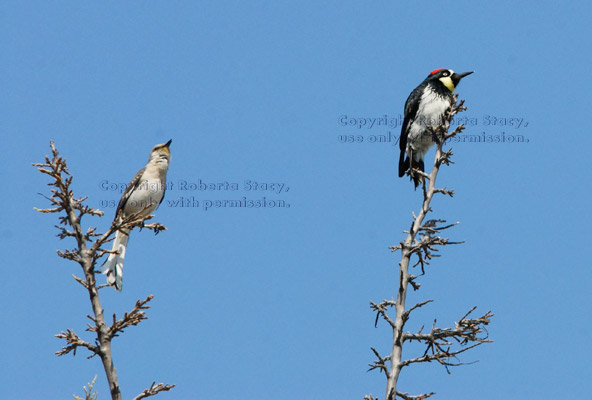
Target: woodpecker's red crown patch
{"x":437,"y":70}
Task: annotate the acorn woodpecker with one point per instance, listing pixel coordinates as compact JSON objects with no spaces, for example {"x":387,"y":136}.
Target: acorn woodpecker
{"x":425,"y":108}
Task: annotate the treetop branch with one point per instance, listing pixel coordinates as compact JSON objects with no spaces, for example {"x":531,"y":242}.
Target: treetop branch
{"x":424,"y":241}
{"x":62,"y":200}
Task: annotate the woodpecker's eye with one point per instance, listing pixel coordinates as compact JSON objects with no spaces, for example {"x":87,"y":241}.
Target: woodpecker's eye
{"x":445,"y":73}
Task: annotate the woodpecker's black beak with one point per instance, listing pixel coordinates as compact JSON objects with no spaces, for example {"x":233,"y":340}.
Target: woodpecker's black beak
{"x":167,"y":144}
{"x":457,"y":77}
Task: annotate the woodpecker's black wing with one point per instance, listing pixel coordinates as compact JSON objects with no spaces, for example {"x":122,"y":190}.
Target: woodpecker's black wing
{"x":128,"y":191}
{"x":411,"y":107}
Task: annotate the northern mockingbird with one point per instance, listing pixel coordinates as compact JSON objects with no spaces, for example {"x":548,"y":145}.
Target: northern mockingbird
{"x":143,"y":195}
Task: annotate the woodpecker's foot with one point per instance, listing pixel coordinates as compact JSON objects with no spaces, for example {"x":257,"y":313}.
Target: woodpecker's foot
{"x":435,"y":137}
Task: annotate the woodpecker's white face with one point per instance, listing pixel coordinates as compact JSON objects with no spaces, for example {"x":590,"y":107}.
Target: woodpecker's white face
{"x":446,"y":79}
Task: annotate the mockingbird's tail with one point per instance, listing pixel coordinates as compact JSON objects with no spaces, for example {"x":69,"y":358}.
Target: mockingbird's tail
{"x":113,"y":266}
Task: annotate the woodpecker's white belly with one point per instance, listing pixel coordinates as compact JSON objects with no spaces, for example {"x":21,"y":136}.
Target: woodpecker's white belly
{"x":431,"y":108}
{"x":149,"y":193}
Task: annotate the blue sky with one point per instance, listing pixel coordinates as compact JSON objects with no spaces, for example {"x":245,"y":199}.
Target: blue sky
{"x":272,"y":302}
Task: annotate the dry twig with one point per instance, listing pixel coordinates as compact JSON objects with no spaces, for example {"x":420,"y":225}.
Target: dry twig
{"x":153,"y":390}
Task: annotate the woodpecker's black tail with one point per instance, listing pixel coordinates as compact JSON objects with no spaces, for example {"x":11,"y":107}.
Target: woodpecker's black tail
{"x":404,"y":166}
{"x":403,"y":163}
{"x":417,"y":179}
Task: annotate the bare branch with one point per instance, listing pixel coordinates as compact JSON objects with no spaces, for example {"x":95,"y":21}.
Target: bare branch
{"x":418,"y":305}
{"x":83,"y":283}
{"x":441,"y":355}
{"x":74,"y":342}
{"x":439,"y":341}
{"x":406,"y":396}
{"x":134,"y":317}
{"x":444,"y":191}
{"x":380,"y":363}
{"x":153,"y":390}
{"x":381,"y":311}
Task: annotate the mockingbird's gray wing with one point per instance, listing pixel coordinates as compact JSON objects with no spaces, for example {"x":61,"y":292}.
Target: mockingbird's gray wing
{"x":163,"y":193}
{"x":135,"y":182}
